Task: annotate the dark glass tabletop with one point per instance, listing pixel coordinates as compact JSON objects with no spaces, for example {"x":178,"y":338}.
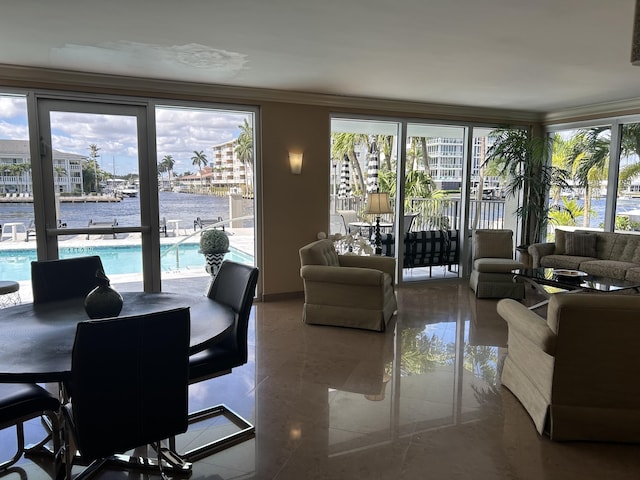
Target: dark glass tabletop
{"x":574,"y":279}
{"x":36,"y":340}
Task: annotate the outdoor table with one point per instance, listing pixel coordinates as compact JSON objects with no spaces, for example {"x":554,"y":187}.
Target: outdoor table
{"x":36,"y":340}
{"x":12,"y":229}
{"x":371,"y":226}
{"x":174,"y":226}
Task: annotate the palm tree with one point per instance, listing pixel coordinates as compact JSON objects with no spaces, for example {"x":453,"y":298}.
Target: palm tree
{"x":345,"y":144}
{"x":60,"y":172}
{"x":162,"y":167}
{"x":590,"y":162}
{"x":522,"y":160}
{"x":93,"y":155}
{"x":244,"y":150}
{"x":199,"y":159}
{"x":168,"y":162}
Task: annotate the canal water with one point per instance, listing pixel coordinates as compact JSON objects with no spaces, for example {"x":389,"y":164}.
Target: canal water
{"x":173,"y":206}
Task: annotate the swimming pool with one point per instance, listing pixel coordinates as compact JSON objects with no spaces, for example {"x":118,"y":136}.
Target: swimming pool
{"x":16,"y":264}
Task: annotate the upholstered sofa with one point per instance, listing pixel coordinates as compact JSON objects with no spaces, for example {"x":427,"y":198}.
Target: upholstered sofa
{"x":426,"y":248}
{"x":346,"y":290}
{"x":613,"y":255}
{"x":575,"y":372}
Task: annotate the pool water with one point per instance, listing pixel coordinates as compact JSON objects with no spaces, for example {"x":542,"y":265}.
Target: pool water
{"x":16,"y":264}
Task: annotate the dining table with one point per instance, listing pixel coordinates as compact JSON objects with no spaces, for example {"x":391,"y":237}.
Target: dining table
{"x":36,"y":339}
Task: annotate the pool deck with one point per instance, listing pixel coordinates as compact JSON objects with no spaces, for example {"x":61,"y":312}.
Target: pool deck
{"x":241,"y":239}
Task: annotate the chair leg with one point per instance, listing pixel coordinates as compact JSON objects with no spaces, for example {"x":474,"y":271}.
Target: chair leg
{"x":20,"y":448}
{"x":246,"y":432}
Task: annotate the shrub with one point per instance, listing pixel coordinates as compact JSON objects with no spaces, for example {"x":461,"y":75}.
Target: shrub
{"x":214,"y":241}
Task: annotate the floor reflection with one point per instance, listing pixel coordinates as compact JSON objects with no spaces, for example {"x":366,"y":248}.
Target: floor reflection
{"x":421,"y":400}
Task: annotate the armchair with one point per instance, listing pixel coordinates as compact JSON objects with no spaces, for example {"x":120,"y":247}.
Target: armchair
{"x":346,"y":290}
{"x":493,"y":261}
{"x":576,"y":371}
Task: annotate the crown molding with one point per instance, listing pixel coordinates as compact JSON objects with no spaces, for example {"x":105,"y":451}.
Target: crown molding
{"x":55,"y":79}
{"x":616,"y":108}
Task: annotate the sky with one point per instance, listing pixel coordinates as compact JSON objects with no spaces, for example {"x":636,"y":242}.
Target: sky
{"x":179,"y":131}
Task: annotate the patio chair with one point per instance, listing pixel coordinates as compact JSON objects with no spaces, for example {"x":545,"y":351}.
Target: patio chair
{"x":349,"y":216}
{"x":93,"y":224}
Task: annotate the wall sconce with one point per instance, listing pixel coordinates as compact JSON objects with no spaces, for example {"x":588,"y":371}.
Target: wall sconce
{"x":295,"y":162}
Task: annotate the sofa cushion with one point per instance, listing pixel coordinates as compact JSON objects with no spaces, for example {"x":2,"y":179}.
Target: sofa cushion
{"x":631,"y":249}
{"x":560,"y":241}
{"x":580,"y":244}
{"x":563,"y":261}
{"x":605,"y":244}
{"x":493,"y":244}
{"x":496,"y":265}
{"x":606,"y":268}
{"x":633,"y":274}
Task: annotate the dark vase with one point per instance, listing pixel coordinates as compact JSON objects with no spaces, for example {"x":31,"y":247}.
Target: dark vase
{"x":103,"y":302}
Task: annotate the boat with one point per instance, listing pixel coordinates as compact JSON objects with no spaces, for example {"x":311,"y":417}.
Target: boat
{"x":128,"y":191}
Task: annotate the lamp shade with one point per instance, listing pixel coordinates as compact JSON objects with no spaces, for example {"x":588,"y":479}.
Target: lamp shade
{"x":295,"y":162}
{"x":378,"y":204}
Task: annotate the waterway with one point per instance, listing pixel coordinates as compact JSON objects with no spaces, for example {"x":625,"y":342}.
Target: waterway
{"x":173,"y":206}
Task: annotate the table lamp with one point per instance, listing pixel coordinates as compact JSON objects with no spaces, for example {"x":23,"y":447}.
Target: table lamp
{"x":378,"y":204}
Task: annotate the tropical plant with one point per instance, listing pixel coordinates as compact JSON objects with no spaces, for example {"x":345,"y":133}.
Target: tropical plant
{"x":244,"y":150}
{"x":214,"y":241}
{"x":345,"y":144}
{"x":166,"y":165}
{"x":200,"y":160}
{"x":522,"y":160}
{"x":590,"y":163}
{"x":566,"y":214}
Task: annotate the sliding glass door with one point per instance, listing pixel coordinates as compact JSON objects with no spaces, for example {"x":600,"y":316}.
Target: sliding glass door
{"x":84,"y":150}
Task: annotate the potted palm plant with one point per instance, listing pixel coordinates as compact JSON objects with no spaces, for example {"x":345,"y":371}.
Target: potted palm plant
{"x":525,"y":162}
{"x":214,"y":244}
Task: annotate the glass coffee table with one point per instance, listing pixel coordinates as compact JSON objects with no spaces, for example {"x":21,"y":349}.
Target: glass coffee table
{"x":569,"y":280}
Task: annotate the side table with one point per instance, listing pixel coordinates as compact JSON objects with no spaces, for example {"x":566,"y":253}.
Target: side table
{"x":9,"y":293}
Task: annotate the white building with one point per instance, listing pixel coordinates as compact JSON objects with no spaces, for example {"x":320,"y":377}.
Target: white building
{"x":15,"y":169}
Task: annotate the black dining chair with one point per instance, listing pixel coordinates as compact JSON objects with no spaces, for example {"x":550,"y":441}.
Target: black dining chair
{"x":64,"y":278}
{"x":234,"y":287}
{"x":129,"y":382}
{"x":21,"y":402}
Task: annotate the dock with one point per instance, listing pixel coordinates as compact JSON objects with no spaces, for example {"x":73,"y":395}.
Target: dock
{"x":79,"y":199}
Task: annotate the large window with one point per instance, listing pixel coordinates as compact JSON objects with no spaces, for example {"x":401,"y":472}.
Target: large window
{"x":438,"y":187}
{"x":131,"y":181}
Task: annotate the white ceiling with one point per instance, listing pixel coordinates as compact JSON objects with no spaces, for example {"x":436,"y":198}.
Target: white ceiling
{"x":535,"y":55}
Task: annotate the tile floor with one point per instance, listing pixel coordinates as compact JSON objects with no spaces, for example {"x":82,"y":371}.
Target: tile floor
{"x":422,"y":400}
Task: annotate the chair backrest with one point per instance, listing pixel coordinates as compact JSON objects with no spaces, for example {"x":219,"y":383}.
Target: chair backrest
{"x":489,"y":243}
{"x":129,"y":381}
{"x":320,"y":252}
{"x":234,"y":287}
{"x":62,"y":279}
{"x":348,"y":216}
{"x":408,"y":221}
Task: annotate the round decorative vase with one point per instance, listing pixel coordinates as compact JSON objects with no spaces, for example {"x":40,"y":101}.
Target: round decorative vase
{"x":103,"y":302}
{"x":213,"y":263}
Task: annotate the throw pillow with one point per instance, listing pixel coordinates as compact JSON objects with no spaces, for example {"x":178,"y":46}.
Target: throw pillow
{"x":580,"y":244}
{"x":561,"y":242}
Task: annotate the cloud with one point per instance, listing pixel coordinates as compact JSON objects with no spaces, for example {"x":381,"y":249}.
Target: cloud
{"x":179,"y":131}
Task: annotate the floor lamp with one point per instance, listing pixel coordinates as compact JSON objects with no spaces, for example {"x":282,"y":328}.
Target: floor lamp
{"x":378,"y":204}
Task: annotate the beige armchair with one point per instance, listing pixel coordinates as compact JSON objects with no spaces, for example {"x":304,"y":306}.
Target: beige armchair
{"x":493,"y":261}
{"x":346,"y":290}
{"x":576,"y":373}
